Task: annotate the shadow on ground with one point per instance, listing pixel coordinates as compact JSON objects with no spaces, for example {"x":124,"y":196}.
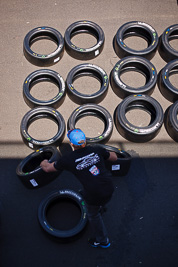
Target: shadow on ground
{"x":142,"y":220}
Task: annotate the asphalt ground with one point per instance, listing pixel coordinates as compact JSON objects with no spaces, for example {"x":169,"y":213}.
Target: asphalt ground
{"x":142,"y":217}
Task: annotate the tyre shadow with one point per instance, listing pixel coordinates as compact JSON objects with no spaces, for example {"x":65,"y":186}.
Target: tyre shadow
{"x":137,"y":178}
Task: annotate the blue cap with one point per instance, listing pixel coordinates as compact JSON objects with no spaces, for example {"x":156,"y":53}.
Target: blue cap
{"x":76,"y":137}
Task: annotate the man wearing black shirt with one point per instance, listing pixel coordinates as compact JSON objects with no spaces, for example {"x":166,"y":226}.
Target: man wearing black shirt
{"x":87,"y":164}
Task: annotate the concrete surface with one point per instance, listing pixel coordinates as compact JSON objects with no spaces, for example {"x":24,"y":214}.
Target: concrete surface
{"x":144,"y":227}
{"x":18,"y":18}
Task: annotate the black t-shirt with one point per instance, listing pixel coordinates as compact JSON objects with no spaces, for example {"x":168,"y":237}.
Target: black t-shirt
{"x":87,"y":164}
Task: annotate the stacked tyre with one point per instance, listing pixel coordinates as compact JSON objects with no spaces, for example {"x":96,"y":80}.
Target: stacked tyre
{"x":121,"y":166}
{"x":31,"y":174}
{"x":136,"y":98}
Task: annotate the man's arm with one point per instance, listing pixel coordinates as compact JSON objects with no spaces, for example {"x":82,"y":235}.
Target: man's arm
{"x":112,"y":156}
{"x":47,"y":167}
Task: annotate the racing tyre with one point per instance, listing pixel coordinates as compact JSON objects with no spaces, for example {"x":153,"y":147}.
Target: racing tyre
{"x":97,"y":111}
{"x":31,"y":174}
{"x":135,"y":133}
{"x":168,"y":90}
{"x":136,"y":64}
{"x":63,"y":231}
{"x":41,"y":33}
{"x":87,"y":70}
{"x":44,"y":76}
{"x":171,"y":122}
{"x":38,"y":113}
{"x":140,"y":29}
{"x":80,"y":27}
{"x":166,"y":51}
{"x":121,"y":166}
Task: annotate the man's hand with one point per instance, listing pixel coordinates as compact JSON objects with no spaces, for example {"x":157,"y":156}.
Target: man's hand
{"x":113,"y":156}
{"x":47,"y":167}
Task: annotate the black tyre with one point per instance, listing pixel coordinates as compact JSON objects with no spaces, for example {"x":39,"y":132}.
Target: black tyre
{"x":31,"y":174}
{"x":38,"y":113}
{"x":80,"y":27}
{"x":97,"y":111}
{"x":171,"y":122}
{"x":135,"y":133}
{"x":87,"y":70}
{"x":136,"y":28}
{"x":166,"y":51}
{"x":43,"y":33}
{"x":43,"y":76}
{"x":57,"y":197}
{"x":136,"y":64}
{"x":121,"y":166}
{"x":168,"y":90}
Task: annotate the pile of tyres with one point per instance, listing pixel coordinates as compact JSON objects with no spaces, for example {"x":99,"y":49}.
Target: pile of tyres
{"x":132,"y":97}
{"x":29,"y":170}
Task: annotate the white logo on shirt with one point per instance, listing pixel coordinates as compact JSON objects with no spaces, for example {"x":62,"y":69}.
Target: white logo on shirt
{"x":88,"y":160}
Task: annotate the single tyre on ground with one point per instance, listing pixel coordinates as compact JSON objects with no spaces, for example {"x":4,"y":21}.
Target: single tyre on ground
{"x":140,"y":29}
{"x":136,"y":64}
{"x":168,"y":90}
{"x":166,"y":50}
{"x":171,"y":121}
{"x":87,"y":27}
{"x":87,"y":70}
{"x":68,"y":202}
{"x":40,"y":113}
{"x":41,"y":33}
{"x":133,"y":132}
{"x":31,"y":174}
{"x":44,"y":75}
{"x":121,"y":166}
{"x":96,"y":111}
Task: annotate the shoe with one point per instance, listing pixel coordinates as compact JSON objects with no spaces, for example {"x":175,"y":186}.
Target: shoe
{"x":96,"y":244}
